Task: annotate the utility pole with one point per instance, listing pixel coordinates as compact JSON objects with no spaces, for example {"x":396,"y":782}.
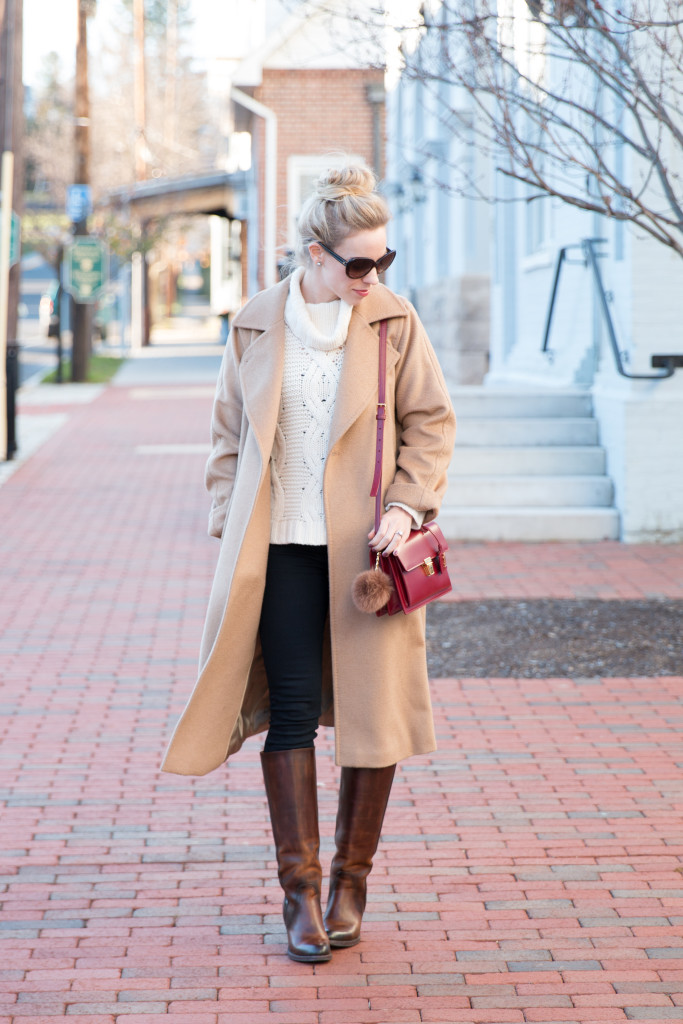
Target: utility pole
{"x":141,"y":287}
{"x":140,"y":109}
{"x":82,"y":319}
{"x":12,"y":184}
{"x":171,"y":83}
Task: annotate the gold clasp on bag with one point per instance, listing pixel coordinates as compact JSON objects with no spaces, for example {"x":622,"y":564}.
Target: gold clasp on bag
{"x":428,"y":567}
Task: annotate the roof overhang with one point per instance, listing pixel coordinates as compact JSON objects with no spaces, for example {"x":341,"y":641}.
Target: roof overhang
{"x":216,"y":192}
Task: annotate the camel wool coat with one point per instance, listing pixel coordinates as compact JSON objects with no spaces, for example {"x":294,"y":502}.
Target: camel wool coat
{"x":375,"y":688}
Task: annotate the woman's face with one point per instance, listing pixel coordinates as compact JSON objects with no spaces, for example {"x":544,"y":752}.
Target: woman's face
{"x":330,"y":278}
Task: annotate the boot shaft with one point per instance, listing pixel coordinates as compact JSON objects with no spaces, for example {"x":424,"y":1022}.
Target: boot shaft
{"x":363,"y":798}
{"x":291,"y":788}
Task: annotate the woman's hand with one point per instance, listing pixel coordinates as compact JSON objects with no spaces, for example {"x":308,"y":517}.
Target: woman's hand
{"x":393,"y":527}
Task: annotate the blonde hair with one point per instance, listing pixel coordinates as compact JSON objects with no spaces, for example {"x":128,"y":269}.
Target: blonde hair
{"x":344,"y":200}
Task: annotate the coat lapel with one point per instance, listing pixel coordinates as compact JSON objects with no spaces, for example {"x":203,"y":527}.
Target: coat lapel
{"x":262,"y":365}
{"x":358,"y":380}
{"x":358,"y":383}
{"x":261,"y":371}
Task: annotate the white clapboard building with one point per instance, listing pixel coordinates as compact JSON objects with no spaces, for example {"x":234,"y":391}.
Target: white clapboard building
{"x":558,"y":435}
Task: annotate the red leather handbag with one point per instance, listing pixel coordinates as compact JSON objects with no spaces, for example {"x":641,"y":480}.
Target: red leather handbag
{"x":417,"y":572}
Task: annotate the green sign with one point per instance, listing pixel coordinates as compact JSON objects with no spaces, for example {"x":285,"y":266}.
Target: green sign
{"x":15,"y":240}
{"x":87,"y":266}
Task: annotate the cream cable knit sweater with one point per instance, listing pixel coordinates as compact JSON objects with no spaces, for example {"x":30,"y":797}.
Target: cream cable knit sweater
{"x":315,"y":334}
{"x":314,"y":351}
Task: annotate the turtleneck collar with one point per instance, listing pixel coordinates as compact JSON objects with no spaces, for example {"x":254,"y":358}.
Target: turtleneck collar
{"x":318,"y":325}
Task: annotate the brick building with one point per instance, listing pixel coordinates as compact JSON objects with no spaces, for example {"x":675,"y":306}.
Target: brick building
{"x":312,"y":92}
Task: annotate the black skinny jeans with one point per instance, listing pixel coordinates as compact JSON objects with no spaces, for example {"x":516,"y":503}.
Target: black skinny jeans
{"x":295,"y":605}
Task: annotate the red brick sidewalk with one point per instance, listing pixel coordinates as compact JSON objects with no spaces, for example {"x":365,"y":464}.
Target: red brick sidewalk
{"x":607,"y":570}
{"x":529,"y":869}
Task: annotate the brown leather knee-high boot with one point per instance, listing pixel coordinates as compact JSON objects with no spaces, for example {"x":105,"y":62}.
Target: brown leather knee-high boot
{"x":363,"y":798}
{"x":290,"y":780}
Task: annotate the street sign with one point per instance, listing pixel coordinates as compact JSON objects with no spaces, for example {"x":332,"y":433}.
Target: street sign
{"x":86,"y":268}
{"x":78,"y":202}
{"x":15,"y":240}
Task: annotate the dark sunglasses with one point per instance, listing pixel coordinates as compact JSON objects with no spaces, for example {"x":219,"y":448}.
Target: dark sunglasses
{"x":360,"y":266}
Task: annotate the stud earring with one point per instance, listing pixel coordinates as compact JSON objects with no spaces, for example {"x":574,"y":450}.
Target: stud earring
{"x":319,"y":263}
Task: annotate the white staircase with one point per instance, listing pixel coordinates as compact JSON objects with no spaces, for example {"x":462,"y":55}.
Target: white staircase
{"x":527,"y":466}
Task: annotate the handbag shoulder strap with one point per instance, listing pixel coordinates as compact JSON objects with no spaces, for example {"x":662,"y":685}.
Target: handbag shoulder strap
{"x":376,"y":491}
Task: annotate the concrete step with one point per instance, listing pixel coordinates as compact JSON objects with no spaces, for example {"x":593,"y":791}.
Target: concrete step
{"x":529,"y":491}
{"x":555,"y":460}
{"x":527,"y":524}
{"x":484,"y":402}
{"x":519,"y":431}
{"x":527,"y":467}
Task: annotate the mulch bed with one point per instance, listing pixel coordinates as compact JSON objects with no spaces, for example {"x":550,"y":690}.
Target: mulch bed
{"x":540,"y":639}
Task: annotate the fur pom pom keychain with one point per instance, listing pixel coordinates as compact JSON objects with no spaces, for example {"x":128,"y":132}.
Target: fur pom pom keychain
{"x":372,"y":589}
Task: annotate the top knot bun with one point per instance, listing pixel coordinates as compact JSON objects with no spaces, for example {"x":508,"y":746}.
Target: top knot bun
{"x":339,"y":182}
{"x":344,"y":200}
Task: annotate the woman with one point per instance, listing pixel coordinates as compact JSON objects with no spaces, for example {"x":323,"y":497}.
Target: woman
{"x":284,"y":646}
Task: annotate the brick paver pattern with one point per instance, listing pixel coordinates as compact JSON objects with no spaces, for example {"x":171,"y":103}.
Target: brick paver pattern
{"x":529,"y":870}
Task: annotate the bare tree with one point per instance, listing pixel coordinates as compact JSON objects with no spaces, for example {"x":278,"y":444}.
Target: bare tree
{"x":177,"y":133}
{"x":49,"y":136}
{"x":579,"y":99}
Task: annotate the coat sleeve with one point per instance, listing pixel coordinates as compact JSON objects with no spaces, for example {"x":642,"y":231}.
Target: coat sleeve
{"x":425,"y":424}
{"x":226,"y":421}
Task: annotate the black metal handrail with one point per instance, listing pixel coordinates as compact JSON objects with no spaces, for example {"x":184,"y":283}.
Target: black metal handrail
{"x":668,"y":363}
